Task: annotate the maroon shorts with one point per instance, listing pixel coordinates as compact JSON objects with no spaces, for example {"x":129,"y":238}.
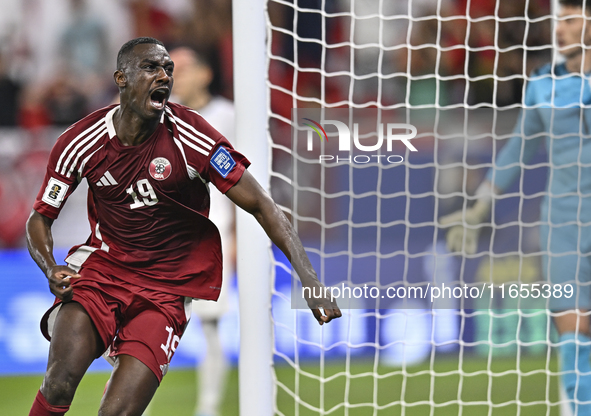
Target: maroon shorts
{"x":130,"y":319}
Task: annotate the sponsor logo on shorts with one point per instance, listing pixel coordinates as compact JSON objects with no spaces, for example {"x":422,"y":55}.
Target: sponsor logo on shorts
{"x":55,"y":192}
{"x":164,"y":369}
{"x":222,"y":161}
{"x":160,"y":168}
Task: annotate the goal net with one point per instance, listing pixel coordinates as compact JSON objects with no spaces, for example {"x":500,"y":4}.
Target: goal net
{"x":368,"y":215}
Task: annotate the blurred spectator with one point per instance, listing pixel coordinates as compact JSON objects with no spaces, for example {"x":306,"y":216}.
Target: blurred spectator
{"x":427,"y":66}
{"x":496,"y":46}
{"x":84,"y":57}
{"x":83,"y":43}
{"x":65,"y":101}
{"x":208,"y":30}
{"x":381,"y":46}
{"x":15,"y":207}
{"x":9,"y":91}
{"x":193,"y":76}
{"x":482,"y":61}
{"x":513,"y":34}
{"x":160,"y":19}
{"x":33,"y":113}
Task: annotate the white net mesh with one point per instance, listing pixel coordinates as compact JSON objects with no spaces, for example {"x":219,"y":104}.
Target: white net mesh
{"x":456,"y":71}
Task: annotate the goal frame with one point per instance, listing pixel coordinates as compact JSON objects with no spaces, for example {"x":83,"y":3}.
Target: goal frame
{"x":254,"y":267}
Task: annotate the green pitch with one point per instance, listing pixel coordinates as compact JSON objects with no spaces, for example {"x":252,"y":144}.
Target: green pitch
{"x":479,"y":385}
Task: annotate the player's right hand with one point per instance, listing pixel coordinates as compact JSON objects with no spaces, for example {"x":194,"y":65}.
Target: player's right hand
{"x":59,"y":278}
{"x":463,"y":234}
{"x":322,"y":304}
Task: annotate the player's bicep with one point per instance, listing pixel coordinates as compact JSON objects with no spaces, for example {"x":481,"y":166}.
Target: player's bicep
{"x":248,"y":194}
{"x":37,"y":220}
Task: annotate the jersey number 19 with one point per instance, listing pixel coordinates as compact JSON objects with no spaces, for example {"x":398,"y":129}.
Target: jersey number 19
{"x":146,"y":192}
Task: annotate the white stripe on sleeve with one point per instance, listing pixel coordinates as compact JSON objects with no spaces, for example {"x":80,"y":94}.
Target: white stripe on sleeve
{"x":73,"y":142}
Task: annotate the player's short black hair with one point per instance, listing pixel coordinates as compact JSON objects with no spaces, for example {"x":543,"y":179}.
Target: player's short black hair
{"x":129,"y":45}
{"x":586,"y":4}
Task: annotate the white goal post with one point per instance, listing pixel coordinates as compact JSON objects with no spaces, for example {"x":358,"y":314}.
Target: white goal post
{"x":255,"y":274}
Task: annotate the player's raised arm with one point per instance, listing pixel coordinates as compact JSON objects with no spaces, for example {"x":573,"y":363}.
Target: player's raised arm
{"x":40,"y":245}
{"x":250,"y":196}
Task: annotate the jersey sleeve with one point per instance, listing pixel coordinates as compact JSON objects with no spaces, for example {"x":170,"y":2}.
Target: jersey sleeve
{"x":208,"y":154}
{"x":226,"y":165}
{"x":528,"y":133}
{"x":59,"y":181}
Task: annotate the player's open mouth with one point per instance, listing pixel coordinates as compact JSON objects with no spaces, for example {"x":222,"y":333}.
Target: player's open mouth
{"x":158,"y":97}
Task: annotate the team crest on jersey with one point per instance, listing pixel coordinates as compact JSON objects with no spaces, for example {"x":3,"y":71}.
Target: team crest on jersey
{"x":160,"y":168}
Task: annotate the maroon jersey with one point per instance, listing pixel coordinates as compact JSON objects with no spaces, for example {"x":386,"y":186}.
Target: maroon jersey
{"x":147,"y":204}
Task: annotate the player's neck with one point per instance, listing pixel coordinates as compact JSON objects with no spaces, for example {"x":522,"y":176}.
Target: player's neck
{"x":580,"y":63}
{"x":131,"y":129}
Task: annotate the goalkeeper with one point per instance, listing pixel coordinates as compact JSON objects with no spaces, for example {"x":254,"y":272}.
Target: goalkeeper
{"x":557,"y":111}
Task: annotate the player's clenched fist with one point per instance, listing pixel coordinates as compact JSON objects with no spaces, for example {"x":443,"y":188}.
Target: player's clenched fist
{"x":324,"y":302}
{"x":60,"y":284}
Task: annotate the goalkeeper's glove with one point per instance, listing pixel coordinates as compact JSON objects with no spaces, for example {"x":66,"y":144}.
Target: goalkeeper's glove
{"x":464,"y":232}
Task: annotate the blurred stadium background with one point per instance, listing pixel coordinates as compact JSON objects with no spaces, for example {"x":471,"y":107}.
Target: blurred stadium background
{"x":56,"y":64}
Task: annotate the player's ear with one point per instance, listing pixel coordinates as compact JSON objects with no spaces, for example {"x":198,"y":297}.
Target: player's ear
{"x":120,"y":78}
{"x":587,"y":38}
{"x":587,"y":27}
{"x":209,"y":76}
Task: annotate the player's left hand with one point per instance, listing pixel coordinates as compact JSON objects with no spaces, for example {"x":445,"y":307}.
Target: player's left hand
{"x":323,"y":304}
{"x":465,"y":227}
